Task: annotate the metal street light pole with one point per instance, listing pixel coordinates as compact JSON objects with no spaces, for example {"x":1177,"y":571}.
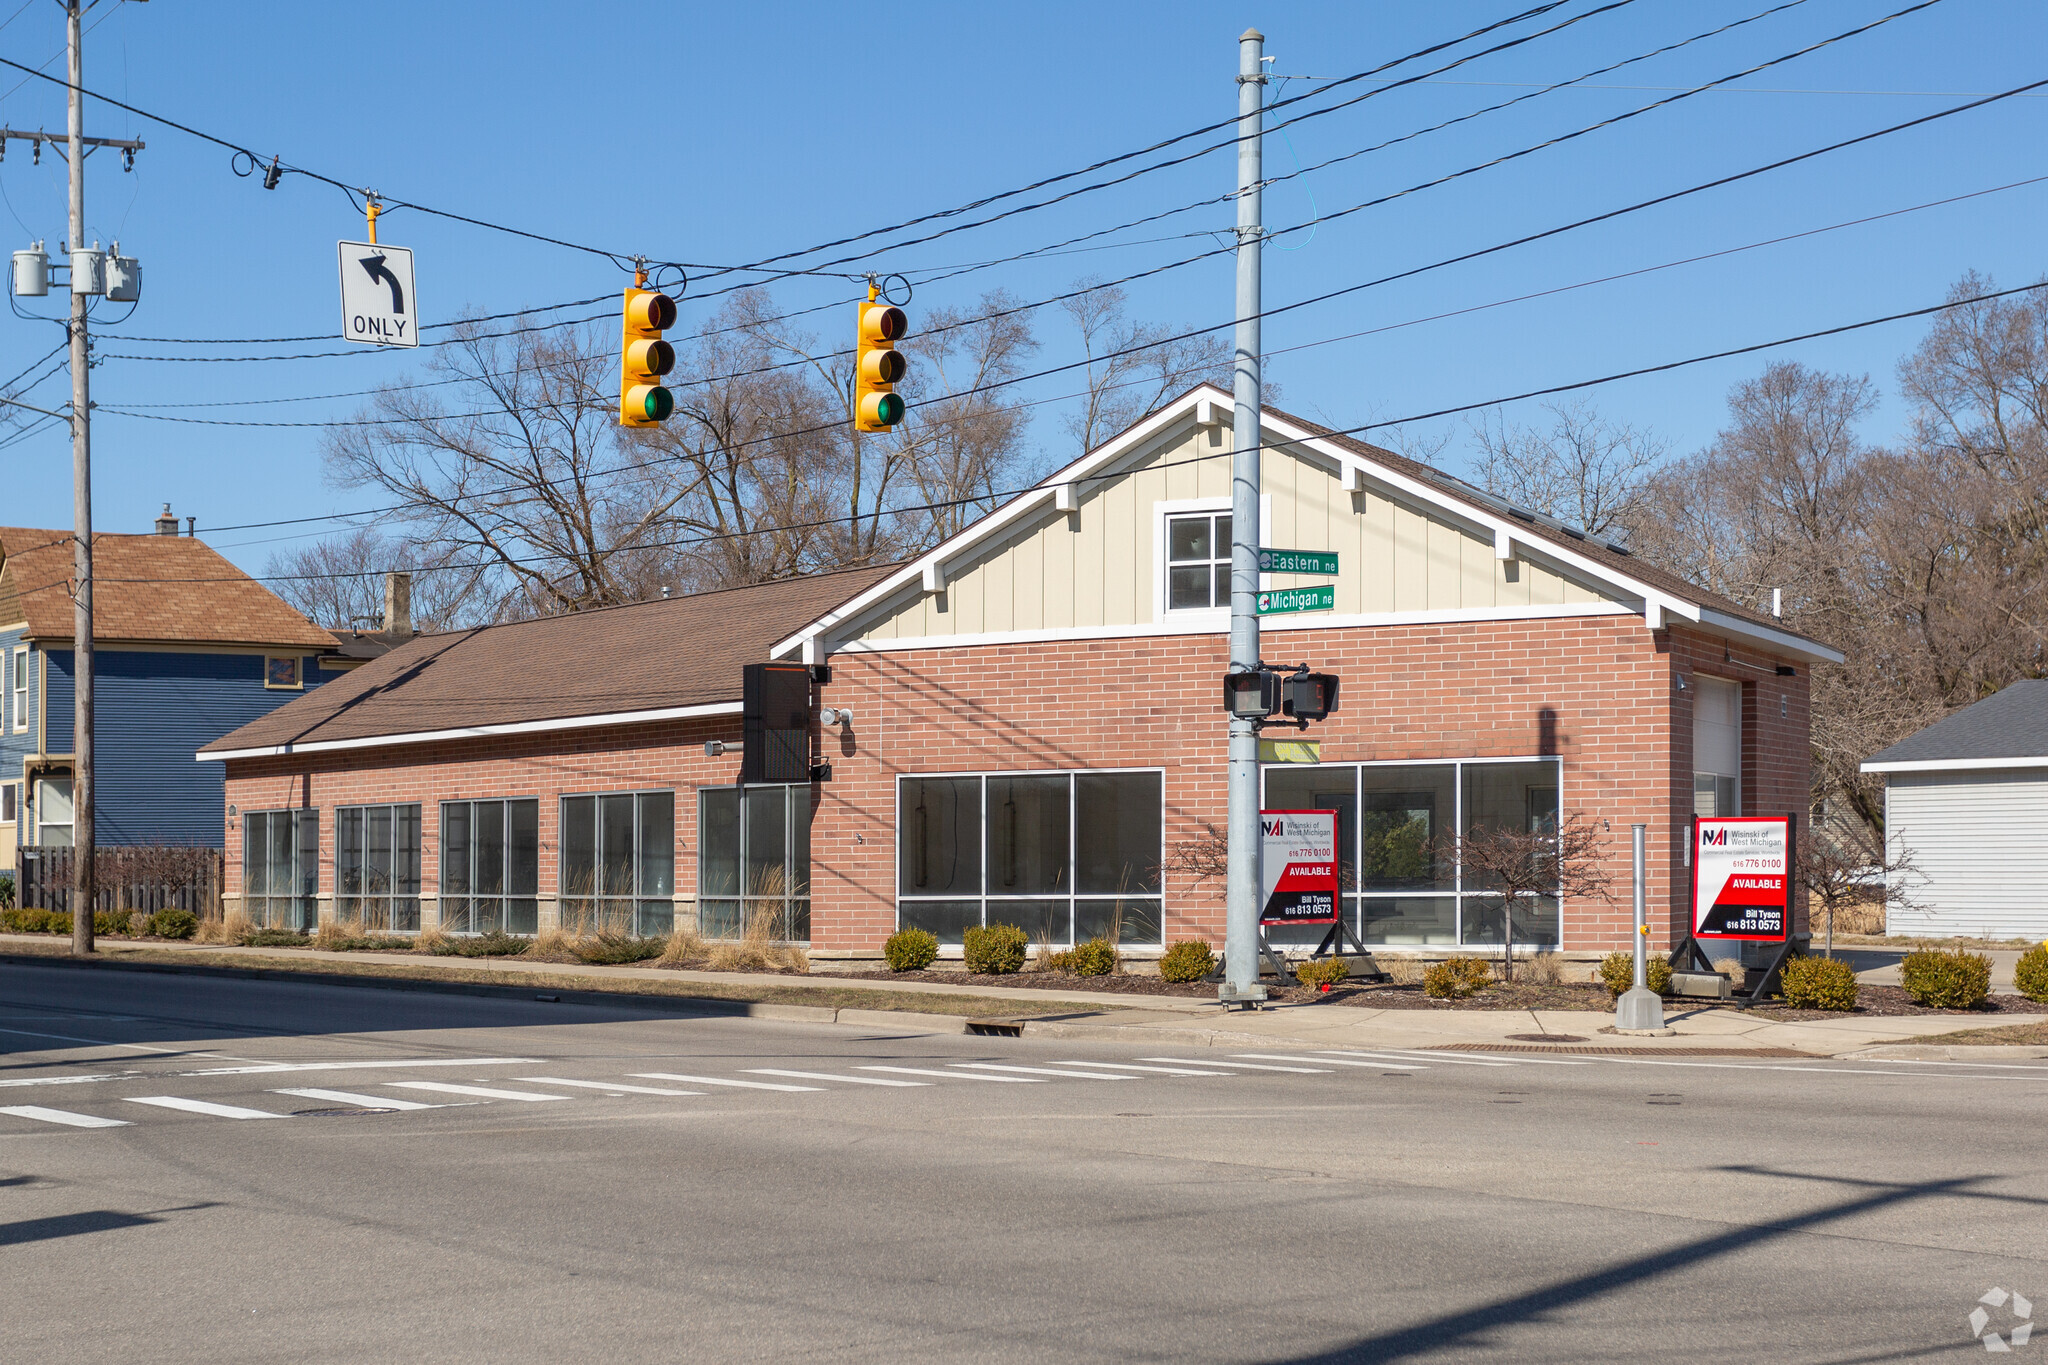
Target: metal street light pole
{"x":1240,"y":944}
{"x":82,"y":883}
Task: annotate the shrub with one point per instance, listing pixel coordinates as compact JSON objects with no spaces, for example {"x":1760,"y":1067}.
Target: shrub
{"x":1618,"y":972}
{"x":1819,"y":983}
{"x":598,"y":948}
{"x":1061,"y":962}
{"x":138,"y":925}
{"x":1322,"y":971}
{"x":6,"y":890}
{"x":910,"y":950}
{"x":2031,"y":974}
{"x":997,"y":950}
{"x":1446,"y":981}
{"x":110,"y":921}
{"x":275,"y":938}
{"x":173,"y":923}
{"x":1189,"y":960}
{"x":1946,"y":980}
{"x":34,"y":921}
{"x":1096,"y":957}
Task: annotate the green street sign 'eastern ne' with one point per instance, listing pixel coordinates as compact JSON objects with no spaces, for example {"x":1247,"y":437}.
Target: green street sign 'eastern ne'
{"x":1281,"y":600}
{"x":1297,"y":561}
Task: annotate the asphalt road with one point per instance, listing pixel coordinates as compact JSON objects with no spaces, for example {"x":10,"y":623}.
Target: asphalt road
{"x":519,"y":1200}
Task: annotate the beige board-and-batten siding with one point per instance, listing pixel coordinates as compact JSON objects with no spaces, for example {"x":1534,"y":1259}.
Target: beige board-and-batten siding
{"x":1097,"y":568}
{"x":1978,"y":843}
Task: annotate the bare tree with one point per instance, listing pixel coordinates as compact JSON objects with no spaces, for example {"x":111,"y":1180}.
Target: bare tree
{"x":338,"y":583}
{"x":1579,"y":467}
{"x":1521,"y":865}
{"x":964,"y":448}
{"x":1846,"y":873}
{"x":1133,"y":367}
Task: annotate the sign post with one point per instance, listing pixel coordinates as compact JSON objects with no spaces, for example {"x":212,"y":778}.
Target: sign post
{"x":1742,"y":879}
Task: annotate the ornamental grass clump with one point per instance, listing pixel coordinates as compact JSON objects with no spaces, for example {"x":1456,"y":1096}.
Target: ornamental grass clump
{"x":2030,"y":975}
{"x":1191,"y":959}
{"x":1320,"y":972}
{"x":994,"y":950}
{"x":1819,"y":983}
{"x":607,"y":948}
{"x":910,"y":950}
{"x":1946,"y":980}
{"x":1618,"y":973}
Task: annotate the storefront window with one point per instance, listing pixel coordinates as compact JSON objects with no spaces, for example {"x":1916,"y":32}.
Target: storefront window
{"x":281,"y":868}
{"x":490,"y":866}
{"x":619,"y":862}
{"x":1063,"y":856}
{"x":377,"y":867}
{"x":1399,"y":833}
{"x":754,"y":861}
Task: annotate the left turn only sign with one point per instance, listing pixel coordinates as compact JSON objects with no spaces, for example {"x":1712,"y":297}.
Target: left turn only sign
{"x":377,"y":303}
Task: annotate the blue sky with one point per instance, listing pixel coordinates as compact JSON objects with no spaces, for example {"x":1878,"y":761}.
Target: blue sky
{"x":725,"y":134}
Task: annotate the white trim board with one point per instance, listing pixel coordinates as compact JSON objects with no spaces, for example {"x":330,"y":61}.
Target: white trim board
{"x":524,"y":727}
{"x":1221,"y":626}
{"x":1957,"y":765}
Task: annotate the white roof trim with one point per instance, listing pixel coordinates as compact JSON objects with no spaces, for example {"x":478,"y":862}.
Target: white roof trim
{"x":1783,"y":641}
{"x":523,"y":727}
{"x":1956,"y":765}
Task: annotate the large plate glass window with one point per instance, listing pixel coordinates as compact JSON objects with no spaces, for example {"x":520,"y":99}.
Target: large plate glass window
{"x":490,"y":866}
{"x":1197,"y":562}
{"x":618,"y":872}
{"x":1400,"y":828}
{"x":281,"y":868}
{"x":377,"y":867}
{"x":1064,"y":856}
{"x":754,"y":861}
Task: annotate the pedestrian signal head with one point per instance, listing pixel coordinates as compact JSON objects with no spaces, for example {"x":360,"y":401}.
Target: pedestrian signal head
{"x":644,"y":358}
{"x":878,"y":367}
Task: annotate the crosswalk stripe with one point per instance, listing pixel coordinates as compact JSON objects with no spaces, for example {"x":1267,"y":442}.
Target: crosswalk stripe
{"x":1326,"y":1061}
{"x":56,"y":1080}
{"x":1461,"y":1059}
{"x":715,"y":1080}
{"x":1043,"y":1071}
{"x":606,"y":1085}
{"x":63,"y":1116}
{"x":956,"y":1075}
{"x":350,"y":1097}
{"x":1247,"y":1066}
{"x":219,"y":1111}
{"x":828,"y":1076}
{"x":262,"y":1068}
{"x":1162,"y":1070}
{"x":482,"y":1092}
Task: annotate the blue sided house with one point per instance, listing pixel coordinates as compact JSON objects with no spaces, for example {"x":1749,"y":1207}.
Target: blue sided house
{"x":187,"y":648}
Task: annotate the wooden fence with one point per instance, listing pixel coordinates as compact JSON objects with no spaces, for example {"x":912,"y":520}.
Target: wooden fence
{"x":146,"y":879}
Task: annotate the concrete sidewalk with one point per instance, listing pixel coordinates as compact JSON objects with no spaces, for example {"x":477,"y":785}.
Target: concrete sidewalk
{"x":1184,"y":1021}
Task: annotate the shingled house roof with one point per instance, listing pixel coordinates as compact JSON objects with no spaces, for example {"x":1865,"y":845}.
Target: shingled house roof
{"x":2008,"y":729}
{"x":646,"y":661}
{"x":148,"y":590}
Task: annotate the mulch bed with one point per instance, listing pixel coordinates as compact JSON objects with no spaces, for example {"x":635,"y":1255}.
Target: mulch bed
{"x":1893,"y":1000}
{"x":1117,"y":984}
{"x":1499,"y":996}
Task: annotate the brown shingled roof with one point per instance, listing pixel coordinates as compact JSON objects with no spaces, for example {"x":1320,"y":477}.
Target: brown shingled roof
{"x":153,"y":589}
{"x":648,"y":656}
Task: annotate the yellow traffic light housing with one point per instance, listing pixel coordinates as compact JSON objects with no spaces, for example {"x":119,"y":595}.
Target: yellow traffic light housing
{"x":645,"y":358}
{"x":878,"y":365}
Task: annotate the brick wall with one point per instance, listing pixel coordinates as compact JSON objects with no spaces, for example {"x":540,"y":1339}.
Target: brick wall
{"x":1598,"y":692}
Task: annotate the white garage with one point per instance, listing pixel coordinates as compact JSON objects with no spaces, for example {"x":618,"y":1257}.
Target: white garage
{"x":1967,"y":800}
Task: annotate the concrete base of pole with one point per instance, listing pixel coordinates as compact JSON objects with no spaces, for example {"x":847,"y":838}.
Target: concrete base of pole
{"x":1638,"y":1011}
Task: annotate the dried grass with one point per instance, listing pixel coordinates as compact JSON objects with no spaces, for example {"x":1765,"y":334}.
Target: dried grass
{"x":1866,"y":918}
{"x":1732,"y":967}
{"x":1544,"y":969}
{"x":684,"y":945}
{"x":796,"y":960}
{"x":429,"y":939}
{"x":723,"y":957}
{"x":138,"y":924}
{"x":228,"y":929}
{"x":1403,"y":971}
{"x":553,"y":943}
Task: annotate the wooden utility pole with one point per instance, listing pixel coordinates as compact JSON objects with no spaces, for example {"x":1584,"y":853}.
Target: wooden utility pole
{"x":83,"y":887}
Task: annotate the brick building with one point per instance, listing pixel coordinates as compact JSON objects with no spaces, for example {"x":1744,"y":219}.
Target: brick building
{"x":1028,"y":724}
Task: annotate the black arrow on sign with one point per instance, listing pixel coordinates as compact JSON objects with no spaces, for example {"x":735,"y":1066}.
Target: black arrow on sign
{"x":375,"y":267}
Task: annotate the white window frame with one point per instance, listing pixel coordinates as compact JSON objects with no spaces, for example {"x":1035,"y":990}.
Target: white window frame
{"x":36,"y":829}
{"x":1216,"y":617}
{"x":17,"y":686}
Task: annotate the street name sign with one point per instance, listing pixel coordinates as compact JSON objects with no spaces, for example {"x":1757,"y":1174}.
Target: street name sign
{"x":1297,"y":561}
{"x":377,"y":303}
{"x":1298,"y":862}
{"x":1742,"y":877}
{"x":1278,"y":601}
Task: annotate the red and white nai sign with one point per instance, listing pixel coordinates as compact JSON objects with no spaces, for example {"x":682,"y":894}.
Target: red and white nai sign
{"x":1298,"y":856}
{"x":1741,"y":877}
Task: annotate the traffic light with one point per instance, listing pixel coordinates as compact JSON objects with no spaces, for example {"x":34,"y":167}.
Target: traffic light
{"x":645,"y":358}
{"x":877,"y":367}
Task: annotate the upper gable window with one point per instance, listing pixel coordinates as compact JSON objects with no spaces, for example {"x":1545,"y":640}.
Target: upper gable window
{"x":282,"y":671}
{"x":1198,"y":562}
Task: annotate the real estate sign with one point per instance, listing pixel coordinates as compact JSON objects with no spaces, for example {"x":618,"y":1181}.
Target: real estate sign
{"x":1298,"y":857}
{"x":1742,"y":877}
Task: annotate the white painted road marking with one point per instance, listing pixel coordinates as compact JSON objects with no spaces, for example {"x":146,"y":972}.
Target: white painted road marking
{"x":481,"y":1092}
{"x":1329,"y":1061}
{"x":1162,"y":1070}
{"x":955,"y":1075}
{"x":606,"y":1085}
{"x":219,"y":1111}
{"x":1910,"y":1061}
{"x":714,"y":1080}
{"x":1481,"y":1059}
{"x":94,"y":1042}
{"x":1245,"y":1066}
{"x":1042,"y":1071}
{"x":827,"y":1076}
{"x":63,"y":1116}
{"x":64,"y":1080}
{"x":350,"y":1097}
{"x":263,"y":1068}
